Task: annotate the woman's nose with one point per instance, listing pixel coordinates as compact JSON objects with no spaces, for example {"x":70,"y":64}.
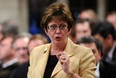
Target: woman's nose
{"x":58,"y":30}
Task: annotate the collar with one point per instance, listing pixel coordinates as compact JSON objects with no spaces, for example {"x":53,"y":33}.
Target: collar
{"x":110,"y":53}
{"x":5,"y":65}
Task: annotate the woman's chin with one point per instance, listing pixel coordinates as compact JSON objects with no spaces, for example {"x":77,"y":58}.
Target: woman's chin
{"x":57,"y":41}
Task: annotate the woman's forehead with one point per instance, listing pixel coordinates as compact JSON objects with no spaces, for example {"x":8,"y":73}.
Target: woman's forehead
{"x":57,"y":19}
{"x":57,"y":22}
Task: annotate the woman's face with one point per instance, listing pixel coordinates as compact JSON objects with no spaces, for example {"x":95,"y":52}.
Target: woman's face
{"x":57,"y":30}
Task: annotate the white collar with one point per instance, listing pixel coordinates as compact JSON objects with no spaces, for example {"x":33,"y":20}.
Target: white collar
{"x":4,"y":65}
{"x":97,"y":73}
{"x":110,"y":53}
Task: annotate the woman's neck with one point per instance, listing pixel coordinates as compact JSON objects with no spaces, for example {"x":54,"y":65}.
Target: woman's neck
{"x":55,"y":49}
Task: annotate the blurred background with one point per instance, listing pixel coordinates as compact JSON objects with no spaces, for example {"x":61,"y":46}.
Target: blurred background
{"x":20,"y":32}
{"x":28,"y":12}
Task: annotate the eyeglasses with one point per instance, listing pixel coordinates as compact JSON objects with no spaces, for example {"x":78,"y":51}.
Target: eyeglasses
{"x":54,"y":26}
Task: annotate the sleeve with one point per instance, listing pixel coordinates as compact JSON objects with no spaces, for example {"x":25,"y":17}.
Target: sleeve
{"x":88,"y":65}
{"x":29,"y":74}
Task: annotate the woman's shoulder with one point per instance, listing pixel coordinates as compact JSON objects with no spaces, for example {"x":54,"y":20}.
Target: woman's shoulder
{"x":83,"y":50}
{"x":78,"y":49}
{"x":40,"y":48}
{"x":82,"y":47}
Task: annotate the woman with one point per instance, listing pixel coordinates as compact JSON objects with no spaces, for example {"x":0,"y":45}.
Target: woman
{"x":61,"y":58}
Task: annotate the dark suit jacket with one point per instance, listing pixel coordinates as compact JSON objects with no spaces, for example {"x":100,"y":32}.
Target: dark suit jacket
{"x":6,"y":72}
{"x":0,"y":64}
{"x":108,"y":69}
{"x":21,"y":71}
{"x":114,"y":55}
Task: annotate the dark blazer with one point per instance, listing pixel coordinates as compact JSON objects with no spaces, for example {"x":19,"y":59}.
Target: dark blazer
{"x":6,"y":72}
{"x":0,"y":64}
{"x":108,"y":69}
{"x":114,"y":55}
{"x":21,"y":71}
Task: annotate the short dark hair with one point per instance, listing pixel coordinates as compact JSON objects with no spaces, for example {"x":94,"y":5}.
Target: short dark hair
{"x":79,"y":20}
{"x":91,"y":39}
{"x":21,"y":35}
{"x":57,"y":10}
{"x":8,"y":36}
{"x":104,"y":29}
{"x":10,"y":30}
{"x":39,"y":37}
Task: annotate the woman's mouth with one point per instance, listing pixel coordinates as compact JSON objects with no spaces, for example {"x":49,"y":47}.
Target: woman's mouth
{"x":57,"y":38}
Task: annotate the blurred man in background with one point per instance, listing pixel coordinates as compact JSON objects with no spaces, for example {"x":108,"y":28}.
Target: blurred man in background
{"x":21,"y":71}
{"x":89,"y":14}
{"x":7,"y":56}
{"x":105,"y":32}
{"x":111,"y":17}
{"x":82,"y":28}
{"x":97,"y":49}
{"x":20,"y":46}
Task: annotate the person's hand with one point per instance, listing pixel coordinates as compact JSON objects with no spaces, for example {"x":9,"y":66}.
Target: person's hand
{"x":64,"y":60}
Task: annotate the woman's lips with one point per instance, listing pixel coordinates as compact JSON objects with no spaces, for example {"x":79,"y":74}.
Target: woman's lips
{"x":57,"y":38}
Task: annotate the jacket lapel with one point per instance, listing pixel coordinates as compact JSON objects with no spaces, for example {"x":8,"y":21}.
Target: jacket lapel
{"x":56,"y":69}
{"x":42,"y":62}
{"x":69,"y":51}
